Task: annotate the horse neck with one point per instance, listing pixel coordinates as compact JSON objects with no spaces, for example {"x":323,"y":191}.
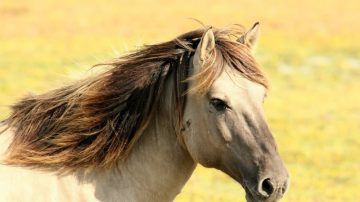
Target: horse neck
{"x":157,"y":167}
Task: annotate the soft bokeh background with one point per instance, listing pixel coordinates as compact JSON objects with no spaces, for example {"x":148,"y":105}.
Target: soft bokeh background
{"x":310,"y":51}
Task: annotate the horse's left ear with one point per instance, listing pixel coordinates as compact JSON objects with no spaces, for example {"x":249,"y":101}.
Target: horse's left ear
{"x":204,"y":49}
{"x":250,"y":37}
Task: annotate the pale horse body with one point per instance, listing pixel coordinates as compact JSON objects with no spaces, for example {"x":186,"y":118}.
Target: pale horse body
{"x":158,"y":165}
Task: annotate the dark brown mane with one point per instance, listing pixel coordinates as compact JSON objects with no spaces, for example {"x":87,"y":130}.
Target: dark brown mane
{"x":94,"y":122}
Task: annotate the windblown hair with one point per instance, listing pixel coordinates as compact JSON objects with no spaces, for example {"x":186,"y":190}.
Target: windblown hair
{"x":93,"y":123}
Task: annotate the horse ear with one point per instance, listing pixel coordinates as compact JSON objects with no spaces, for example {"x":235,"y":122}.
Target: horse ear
{"x":203,"y":50}
{"x":250,"y":37}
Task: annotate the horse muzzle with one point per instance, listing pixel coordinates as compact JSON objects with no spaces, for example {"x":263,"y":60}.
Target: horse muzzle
{"x":266,"y":190}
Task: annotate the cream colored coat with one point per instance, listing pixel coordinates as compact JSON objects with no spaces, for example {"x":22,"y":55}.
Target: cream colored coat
{"x":159,"y":164}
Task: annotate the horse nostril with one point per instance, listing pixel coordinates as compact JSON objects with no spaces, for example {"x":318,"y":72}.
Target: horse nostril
{"x":266,"y":187}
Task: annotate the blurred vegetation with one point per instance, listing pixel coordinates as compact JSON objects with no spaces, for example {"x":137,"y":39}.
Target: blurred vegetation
{"x":310,"y":50}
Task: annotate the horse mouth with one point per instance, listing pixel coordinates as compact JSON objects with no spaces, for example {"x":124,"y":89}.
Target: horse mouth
{"x":249,"y":195}
{"x":249,"y":198}
{"x":250,"y":188}
{"x":252,"y":196}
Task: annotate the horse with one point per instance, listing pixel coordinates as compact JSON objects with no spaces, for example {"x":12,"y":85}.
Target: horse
{"x":136,"y":130}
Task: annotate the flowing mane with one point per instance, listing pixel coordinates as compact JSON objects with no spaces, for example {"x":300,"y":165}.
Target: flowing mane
{"x":94,"y":122}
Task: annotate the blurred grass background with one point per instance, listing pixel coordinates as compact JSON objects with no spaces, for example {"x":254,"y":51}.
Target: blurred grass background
{"x":310,"y":50}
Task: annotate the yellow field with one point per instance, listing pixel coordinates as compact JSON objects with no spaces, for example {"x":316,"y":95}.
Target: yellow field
{"x":309,"y":49}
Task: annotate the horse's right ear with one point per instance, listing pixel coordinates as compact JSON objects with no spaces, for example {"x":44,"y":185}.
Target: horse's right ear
{"x":250,"y":37}
{"x":204,"y":49}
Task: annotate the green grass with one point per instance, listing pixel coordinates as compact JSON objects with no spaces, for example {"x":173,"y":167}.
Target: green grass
{"x":309,"y":50}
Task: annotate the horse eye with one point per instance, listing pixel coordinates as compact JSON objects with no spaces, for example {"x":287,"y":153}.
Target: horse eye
{"x":218,"y":104}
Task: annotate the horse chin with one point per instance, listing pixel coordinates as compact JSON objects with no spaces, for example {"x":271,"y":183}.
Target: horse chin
{"x":242,"y":181}
{"x":249,"y":198}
